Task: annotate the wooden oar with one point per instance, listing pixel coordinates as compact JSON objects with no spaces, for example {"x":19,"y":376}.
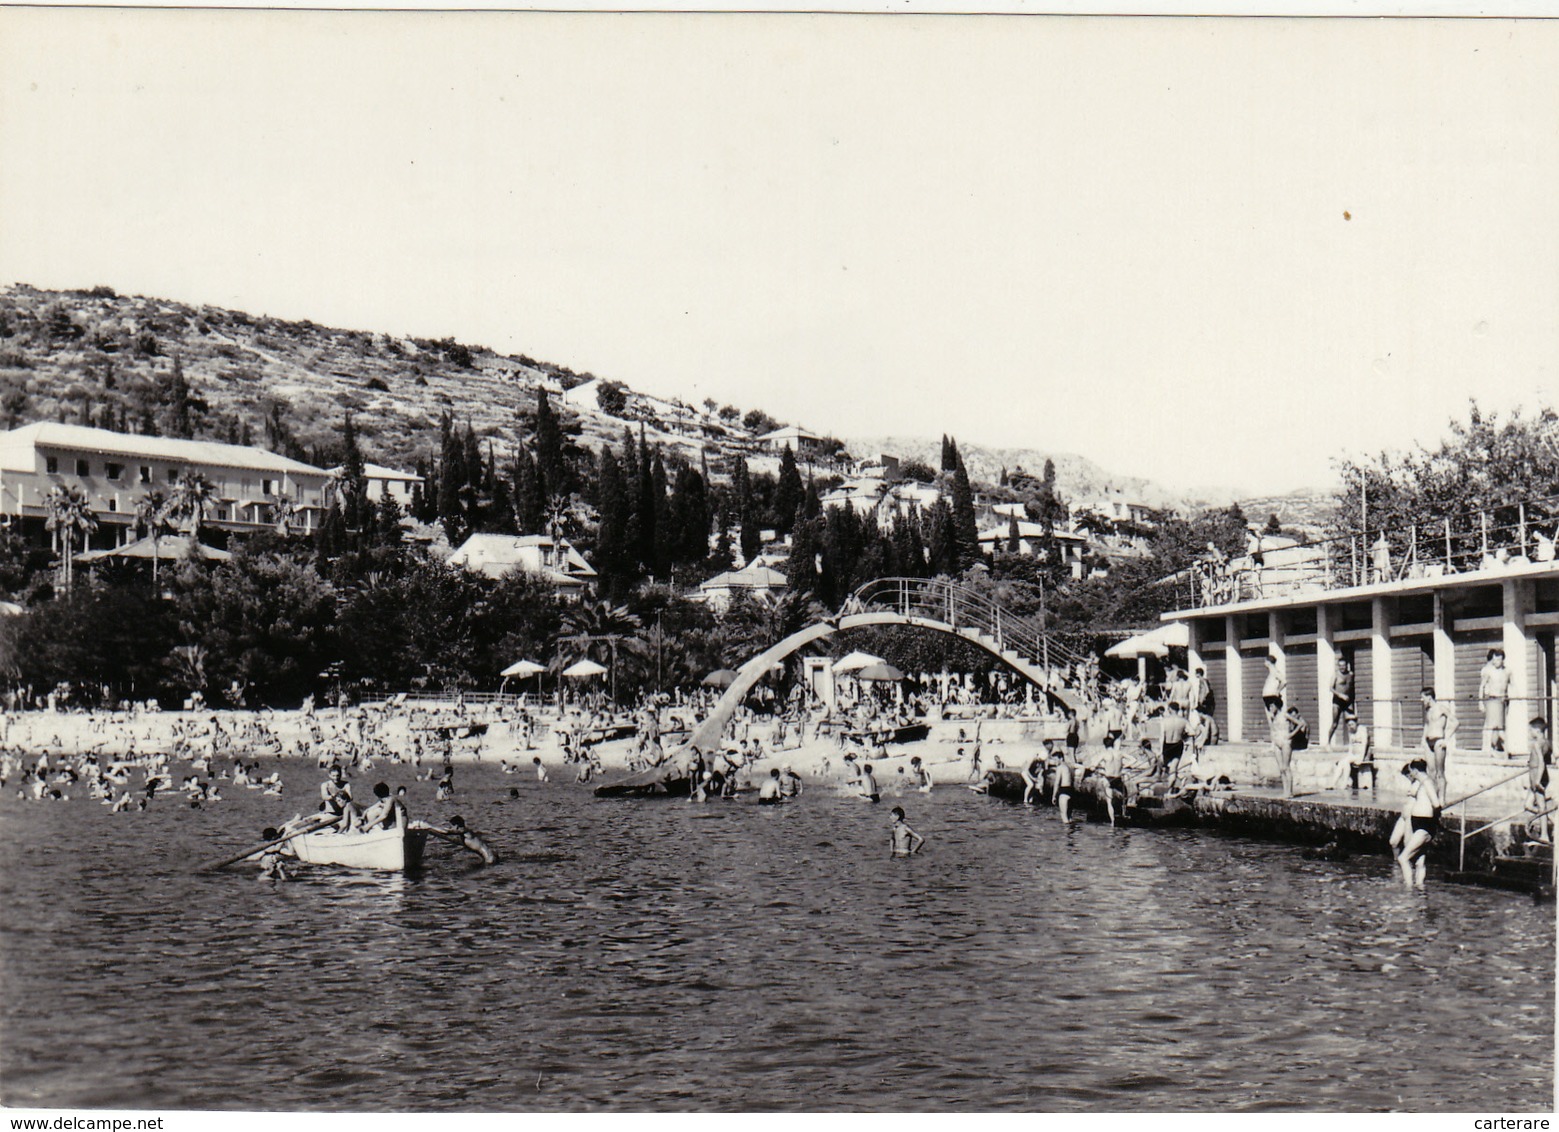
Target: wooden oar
{"x":332,"y":819}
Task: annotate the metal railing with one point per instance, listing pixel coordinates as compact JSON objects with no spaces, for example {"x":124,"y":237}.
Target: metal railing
{"x":1488,"y":539}
{"x":963,"y":608}
{"x":1530,"y":816}
{"x":1462,"y":802}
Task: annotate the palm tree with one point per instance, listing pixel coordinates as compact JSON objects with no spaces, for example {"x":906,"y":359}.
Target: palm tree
{"x":191,"y":497}
{"x":590,"y":622}
{"x":284,"y":513}
{"x":151,"y":515}
{"x":68,"y":515}
{"x":189,"y":666}
{"x":788,"y":614}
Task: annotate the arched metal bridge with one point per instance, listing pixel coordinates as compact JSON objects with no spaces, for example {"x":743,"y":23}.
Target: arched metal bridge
{"x":920,"y":603}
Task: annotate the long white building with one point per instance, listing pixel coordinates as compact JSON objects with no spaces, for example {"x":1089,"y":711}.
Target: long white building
{"x":115,"y":469}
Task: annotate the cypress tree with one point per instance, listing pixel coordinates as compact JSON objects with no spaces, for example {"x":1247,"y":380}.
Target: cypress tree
{"x":611,"y":546}
{"x":941,"y":541}
{"x":451,"y":479}
{"x":721,"y":560}
{"x":662,"y":512}
{"x":549,"y":449}
{"x":746,"y":511}
{"x":633,"y":528}
{"x":649,"y":511}
{"x":530,"y":504}
{"x":353,"y":484}
{"x":180,"y":421}
{"x":787,"y":493}
{"x":801,"y":572}
{"x":966,"y":534}
{"x":1013,"y":545}
{"x":387,"y":522}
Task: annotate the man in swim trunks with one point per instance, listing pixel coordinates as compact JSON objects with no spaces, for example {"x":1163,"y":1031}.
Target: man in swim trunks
{"x":905,"y":840}
{"x":1540,"y":754}
{"x":1173,"y":738}
{"x":1111,"y":766}
{"x":1419,"y":823}
{"x":866,"y":784}
{"x":919,"y":775}
{"x":1066,"y":784}
{"x":1439,"y":730}
{"x":1342,"y":699}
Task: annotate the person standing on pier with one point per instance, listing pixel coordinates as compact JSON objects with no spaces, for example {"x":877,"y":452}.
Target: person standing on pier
{"x":1439,"y":731}
{"x":1274,"y":690}
{"x":1493,"y":690}
{"x":1342,"y":699}
{"x":1539,"y":754}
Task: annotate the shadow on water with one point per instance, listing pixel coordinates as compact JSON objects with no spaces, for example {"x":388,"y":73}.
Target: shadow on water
{"x":624,"y":955}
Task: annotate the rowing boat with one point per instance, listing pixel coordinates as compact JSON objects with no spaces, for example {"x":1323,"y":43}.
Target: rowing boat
{"x":390,"y":850}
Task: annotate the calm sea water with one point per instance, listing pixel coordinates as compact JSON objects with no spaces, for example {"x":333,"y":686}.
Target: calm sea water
{"x":655,"y":955}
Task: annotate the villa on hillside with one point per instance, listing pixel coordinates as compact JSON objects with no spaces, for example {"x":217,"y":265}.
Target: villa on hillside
{"x":1115,"y":508}
{"x":1031,"y":538}
{"x":803,"y":443}
{"x":753,"y":580}
{"x":884,"y":500}
{"x":114,"y":470}
{"x":497,"y":556}
{"x":382,"y":482}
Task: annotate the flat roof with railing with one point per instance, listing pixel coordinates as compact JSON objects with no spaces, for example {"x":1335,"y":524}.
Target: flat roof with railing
{"x":1477,"y":546}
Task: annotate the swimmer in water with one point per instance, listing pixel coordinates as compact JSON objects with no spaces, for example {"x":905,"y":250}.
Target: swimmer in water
{"x":1066,"y":781}
{"x":921,"y":776}
{"x":1419,"y":823}
{"x":906,"y":842}
{"x":769,"y":794}
{"x":866,"y":784}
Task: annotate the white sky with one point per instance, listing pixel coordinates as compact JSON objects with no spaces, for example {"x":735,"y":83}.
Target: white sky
{"x":1119,"y":237}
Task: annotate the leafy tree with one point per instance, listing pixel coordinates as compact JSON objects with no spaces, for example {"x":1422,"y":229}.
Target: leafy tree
{"x":1485,"y":466}
{"x":265,"y":620}
{"x":759,"y":422}
{"x":612,"y":397}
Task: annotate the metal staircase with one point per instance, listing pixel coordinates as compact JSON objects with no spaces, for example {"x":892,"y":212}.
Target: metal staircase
{"x":1025,"y":646}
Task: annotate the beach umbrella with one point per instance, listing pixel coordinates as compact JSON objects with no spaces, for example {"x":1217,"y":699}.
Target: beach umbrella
{"x":583,"y":669}
{"x":720,"y":678}
{"x":880,"y":673}
{"x":523,"y":668}
{"x":857,"y":660}
{"x":1155,"y":642}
